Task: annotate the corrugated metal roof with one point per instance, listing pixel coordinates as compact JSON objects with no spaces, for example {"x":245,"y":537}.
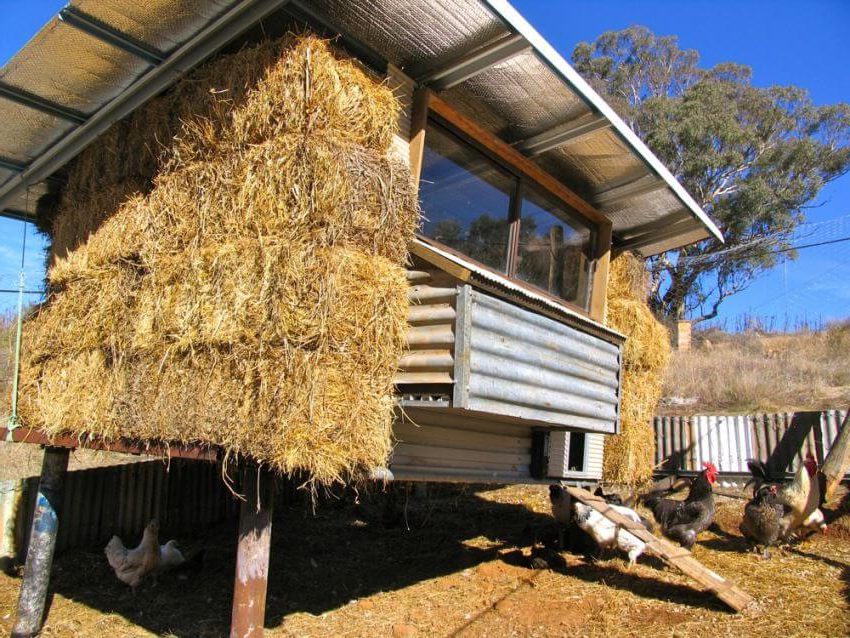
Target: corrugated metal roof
{"x":98,"y":60}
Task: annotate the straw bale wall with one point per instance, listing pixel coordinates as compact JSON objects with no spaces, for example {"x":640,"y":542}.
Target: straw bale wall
{"x":228,"y":268}
{"x":629,"y":456}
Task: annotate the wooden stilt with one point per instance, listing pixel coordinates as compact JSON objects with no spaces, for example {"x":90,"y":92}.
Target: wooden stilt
{"x":45,"y":526}
{"x":252,"y":554}
{"x":837,"y":462}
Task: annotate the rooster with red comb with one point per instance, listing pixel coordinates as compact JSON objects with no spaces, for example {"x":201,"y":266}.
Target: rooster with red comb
{"x":682,"y":521}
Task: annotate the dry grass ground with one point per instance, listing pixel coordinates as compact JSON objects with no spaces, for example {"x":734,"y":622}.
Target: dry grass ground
{"x":458,"y":564}
{"x":749,"y":371}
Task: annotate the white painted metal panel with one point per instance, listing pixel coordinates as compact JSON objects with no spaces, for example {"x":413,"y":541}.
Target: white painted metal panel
{"x":559,"y":455}
{"x":595,"y":446}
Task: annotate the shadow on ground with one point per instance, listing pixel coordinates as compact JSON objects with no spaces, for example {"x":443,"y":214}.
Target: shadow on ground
{"x":350,"y":548}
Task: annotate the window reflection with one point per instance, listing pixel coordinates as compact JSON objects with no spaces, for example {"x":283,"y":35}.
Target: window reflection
{"x":554,"y":254}
{"x":466,"y":199}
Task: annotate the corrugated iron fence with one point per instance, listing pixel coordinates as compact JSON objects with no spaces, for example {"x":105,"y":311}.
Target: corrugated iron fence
{"x":185,"y":496}
{"x":781,"y":440}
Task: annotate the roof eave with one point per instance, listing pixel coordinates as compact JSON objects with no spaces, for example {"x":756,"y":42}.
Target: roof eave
{"x":545,"y":50}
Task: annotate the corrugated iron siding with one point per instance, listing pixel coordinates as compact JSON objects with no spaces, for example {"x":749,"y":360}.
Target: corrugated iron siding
{"x":443,"y":445}
{"x":559,"y":454}
{"x":528,"y":366}
{"x":430,"y":335}
{"x":595,"y":443}
{"x":781,"y":440}
{"x":186,"y":497}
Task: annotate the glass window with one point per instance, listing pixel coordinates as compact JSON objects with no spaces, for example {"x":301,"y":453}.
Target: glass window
{"x":555,"y":248}
{"x":465,"y":198}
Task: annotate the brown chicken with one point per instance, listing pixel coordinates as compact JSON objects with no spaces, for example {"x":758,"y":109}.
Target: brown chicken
{"x":762,"y":520}
{"x":794,"y":496}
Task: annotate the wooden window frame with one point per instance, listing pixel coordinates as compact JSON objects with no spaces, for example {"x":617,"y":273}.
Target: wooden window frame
{"x":426,"y":103}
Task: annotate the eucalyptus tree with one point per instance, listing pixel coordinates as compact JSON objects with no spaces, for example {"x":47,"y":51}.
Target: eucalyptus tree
{"x":755,"y":158}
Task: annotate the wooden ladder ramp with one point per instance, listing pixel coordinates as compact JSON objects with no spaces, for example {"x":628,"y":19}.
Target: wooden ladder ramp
{"x":671,"y":554}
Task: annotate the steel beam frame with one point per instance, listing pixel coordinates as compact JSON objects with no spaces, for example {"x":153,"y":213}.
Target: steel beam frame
{"x":640,"y":186}
{"x":38,"y":103}
{"x":562,"y":135}
{"x":475,"y":62}
{"x":87,"y":24}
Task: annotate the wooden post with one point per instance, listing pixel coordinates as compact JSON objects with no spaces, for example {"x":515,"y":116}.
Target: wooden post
{"x":837,"y":462}
{"x":599,"y":284}
{"x":11,"y":501}
{"x":252,"y":554}
{"x":45,"y":525}
{"x":556,"y":241}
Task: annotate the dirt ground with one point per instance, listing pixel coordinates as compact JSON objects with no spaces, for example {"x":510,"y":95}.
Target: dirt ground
{"x":456,"y":562}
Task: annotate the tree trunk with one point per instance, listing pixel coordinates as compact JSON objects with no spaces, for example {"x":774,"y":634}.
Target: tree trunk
{"x":837,"y":462}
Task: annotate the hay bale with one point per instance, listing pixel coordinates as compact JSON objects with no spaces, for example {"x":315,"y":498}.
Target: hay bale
{"x":629,"y":456}
{"x":250,"y":292}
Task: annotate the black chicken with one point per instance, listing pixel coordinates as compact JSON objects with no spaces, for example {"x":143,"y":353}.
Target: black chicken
{"x":682,"y":521}
{"x":763,"y":516}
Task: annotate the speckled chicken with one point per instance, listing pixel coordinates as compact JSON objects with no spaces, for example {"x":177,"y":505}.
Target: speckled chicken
{"x":795,"y":496}
{"x":762,"y":522}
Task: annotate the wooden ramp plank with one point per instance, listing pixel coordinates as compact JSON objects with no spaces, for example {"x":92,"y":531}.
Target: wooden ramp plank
{"x":674,"y":555}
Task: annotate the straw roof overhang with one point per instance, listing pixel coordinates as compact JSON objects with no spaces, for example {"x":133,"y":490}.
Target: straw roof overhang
{"x":98,"y":60}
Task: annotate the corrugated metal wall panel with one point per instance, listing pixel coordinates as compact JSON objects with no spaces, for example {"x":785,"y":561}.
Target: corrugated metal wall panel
{"x":781,"y":440}
{"x":429,"y":359}
{"x":186,"y":498}
{"x":527,"y":366}
{"x":559,"y":455}
{"x":445,"y":445}
{"x":595,"y":443}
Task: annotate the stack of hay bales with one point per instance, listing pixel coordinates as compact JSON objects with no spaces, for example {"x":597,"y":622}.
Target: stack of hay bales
{"x":237,"y":276}
{"x":629,"y":456}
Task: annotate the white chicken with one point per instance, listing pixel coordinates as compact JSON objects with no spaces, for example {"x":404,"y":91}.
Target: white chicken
{"x":132,"y":566}
{"x":606,"y":533}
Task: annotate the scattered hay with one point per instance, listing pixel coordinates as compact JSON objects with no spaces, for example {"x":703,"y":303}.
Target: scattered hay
{"x":250,"y":291}
{"x":629,"y":456}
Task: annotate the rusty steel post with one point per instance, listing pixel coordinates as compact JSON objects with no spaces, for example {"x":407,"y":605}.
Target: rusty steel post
{"x":45,"y":525}
{"x":252,"y":553}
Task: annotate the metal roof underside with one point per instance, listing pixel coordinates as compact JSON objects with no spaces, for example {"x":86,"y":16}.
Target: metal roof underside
{"x":98,"y":60}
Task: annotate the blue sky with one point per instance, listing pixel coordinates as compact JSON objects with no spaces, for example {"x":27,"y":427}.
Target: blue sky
{"x":785,"y":42}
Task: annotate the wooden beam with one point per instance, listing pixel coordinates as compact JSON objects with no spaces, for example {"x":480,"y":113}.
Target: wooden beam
{"x":671,"y":554}
{"x":837,"y":462}
{"x":45,"y":527}
{"x":418,"y":124}
{"x":514,"y":158}
{"x":252,"y":553}
{"x":599,"y":285}
{"x":124,"y":446}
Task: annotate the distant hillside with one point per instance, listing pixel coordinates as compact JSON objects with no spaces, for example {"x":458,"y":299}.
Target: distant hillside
{"x":729,"y":373}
